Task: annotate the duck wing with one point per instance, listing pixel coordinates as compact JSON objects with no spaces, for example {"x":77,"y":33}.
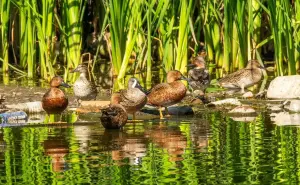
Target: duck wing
{"x":132,"y":96}
{"x":234,"y":77}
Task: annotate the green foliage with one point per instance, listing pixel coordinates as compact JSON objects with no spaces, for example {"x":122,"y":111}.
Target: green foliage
{"x":49,"y":37}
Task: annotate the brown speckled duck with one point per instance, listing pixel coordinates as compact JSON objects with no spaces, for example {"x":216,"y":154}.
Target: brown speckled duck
{"x":132,"y":99}
{"x":83,"y":88}
{"x":114,"y":117}
{"x":198,"y":77}
{"x":166,"y":94}
{"x":54,"y":100}
{"x":243,"y":78}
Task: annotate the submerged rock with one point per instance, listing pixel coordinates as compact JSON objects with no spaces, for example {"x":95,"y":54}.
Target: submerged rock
{"x":243,"y":118}
{"x":173,"y":110}
{"x":274,"y":107}
{"x":242,"y":109}
{"x":229,"y":101}
{"x":285,"y":118}
{"x":248,"y":94}
{"x":284,"y":87}
{"x":294,"y":106}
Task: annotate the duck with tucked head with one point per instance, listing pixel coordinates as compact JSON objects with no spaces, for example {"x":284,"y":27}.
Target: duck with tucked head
{"x":54,"y":100}
{"x":167,"y":94}
{"x":132,"y":99}
{"x":243,"y":78}
{"x":198,"y":77}
{"x":114,"y":117}
{"x":83,"y":88}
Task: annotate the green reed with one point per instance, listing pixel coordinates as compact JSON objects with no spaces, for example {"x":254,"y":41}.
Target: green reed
{"x":4,"y":37}
{"x":145,"y":36}
{"x":280,"y":13}
{"x":71,"y":21}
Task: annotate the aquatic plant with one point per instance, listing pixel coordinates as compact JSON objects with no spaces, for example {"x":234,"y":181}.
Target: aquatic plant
{"x":42,"y":38}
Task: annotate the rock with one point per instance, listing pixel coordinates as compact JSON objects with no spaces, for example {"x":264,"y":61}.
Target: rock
{"x":242,"y":109}
{"x":294,"y":106}
{"x":83,"y":110}
{"x":286,"y":87}
{"x":29,"y":107}
{"x":173,"y":110}
{"x":274,"y":107}
{"x":243,"y":118}
{"x":98,"y":104}
{"x":248,"y":94}
{"x":229,"y":101}
{"x":285,"y":118}
{"x":13,"y":117}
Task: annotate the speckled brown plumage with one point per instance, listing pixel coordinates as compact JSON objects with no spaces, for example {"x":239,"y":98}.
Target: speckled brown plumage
{"x":243,"y":78}
{"x":54,"y":100}
{"x":198,"y":77}
{"x":113,"y":117}
{"x":170,"y":93}
{"x":132,"y":99}
{"x":84,"y":89}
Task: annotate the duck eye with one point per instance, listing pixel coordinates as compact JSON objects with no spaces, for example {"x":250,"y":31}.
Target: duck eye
{"x":134,"y":83}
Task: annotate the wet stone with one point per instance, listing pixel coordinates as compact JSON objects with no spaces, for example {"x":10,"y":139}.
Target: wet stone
{"x":284,"y":87}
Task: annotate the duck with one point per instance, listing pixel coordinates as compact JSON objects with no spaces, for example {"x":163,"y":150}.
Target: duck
{"x":198,"y":77}
{"x":243,"y":78}
{"x":132,"y":99}
{"x":169,"y":93}
{"x":114,"y":116}
{"x":54,"y":100}
{"x":83,"y":88}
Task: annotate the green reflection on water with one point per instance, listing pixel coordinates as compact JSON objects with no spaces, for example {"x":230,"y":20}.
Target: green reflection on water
{"x":213,"y":149}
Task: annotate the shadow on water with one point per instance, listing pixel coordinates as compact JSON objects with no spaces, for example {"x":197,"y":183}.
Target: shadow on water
{"x":207,"y":149}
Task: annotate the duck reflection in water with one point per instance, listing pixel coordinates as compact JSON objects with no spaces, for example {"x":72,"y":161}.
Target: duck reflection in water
{"x":57,"y":148}
{"x":169,"y":138}
{"x":199,"y":131}
{"x":124,"y":145}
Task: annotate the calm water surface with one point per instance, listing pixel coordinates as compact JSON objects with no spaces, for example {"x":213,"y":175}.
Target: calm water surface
{"x":207,"y":149}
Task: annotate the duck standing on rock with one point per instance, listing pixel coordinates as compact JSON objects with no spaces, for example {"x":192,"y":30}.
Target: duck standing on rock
{"x":243,"y":78}
{"x":198,"y":77}
{"x":167,"y":94}
{"x":114,"y":117}
{"x":132,"y":99}
{"x":54,"y":100}
{"x":83,"y":88}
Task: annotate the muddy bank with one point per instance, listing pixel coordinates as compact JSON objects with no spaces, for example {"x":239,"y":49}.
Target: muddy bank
{"x":21,"y":94}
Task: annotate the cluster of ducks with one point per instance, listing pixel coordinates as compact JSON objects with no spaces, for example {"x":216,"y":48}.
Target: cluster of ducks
{"x":134,"y":98}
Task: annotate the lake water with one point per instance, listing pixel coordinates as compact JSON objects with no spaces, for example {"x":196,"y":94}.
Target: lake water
{"x":210,"y":148}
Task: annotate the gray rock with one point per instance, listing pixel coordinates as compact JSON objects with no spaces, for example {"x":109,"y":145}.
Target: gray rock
{"x":242,"y":109}
{"x":294,"y":106}
{"x":284,"y":87}
{"x":285,"y":118}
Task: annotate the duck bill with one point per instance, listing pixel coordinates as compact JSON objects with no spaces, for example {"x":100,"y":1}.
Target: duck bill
{"x":74,"y":71}
{"x":183,"y":78}
{"x":64,"y":84}
{"x":190,"y":65}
